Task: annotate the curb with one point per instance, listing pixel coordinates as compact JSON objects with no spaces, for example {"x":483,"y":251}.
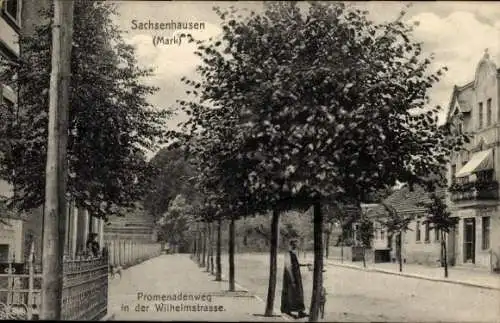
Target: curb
{"x":108,"y":317}
{"x":416,"y":276}
{"x":283,"y":316}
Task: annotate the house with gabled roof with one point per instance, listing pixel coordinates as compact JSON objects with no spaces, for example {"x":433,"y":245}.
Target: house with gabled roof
{"x":420,"y":244}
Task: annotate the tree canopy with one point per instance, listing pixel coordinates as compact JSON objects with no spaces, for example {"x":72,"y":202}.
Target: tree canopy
{"x":325,"y":104}
{"x":112,"y":124}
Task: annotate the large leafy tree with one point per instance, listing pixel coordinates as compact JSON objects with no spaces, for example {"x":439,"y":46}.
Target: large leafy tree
{"x":173,"y":175}
{"x":176,"y":222}
{"x":112,"y":125}
{"x":316,"y":106}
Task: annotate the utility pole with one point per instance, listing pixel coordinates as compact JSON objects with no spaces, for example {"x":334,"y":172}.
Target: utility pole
{"x":55,"y":186}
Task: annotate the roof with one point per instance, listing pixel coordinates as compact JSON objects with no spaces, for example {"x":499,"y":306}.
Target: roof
{"x":406,"y":201}
{"x":374,"y":210}
{"x":462,"y":94}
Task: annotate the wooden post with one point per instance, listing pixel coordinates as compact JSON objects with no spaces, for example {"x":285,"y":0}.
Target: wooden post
{"x":74,"y":231}
{"x":30,"y":282}
{"x":85,"y":227}
{"x":132,"y":251}
{"x":120,"y":257}
{"x":56,"y":170}
{"x":115,"y":254}
{"x":10,"y":284}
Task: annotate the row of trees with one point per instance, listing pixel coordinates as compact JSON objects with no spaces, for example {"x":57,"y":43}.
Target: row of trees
{"x":300,"y":108}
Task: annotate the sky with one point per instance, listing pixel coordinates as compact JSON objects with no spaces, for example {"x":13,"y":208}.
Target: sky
{"x":456,"y":32}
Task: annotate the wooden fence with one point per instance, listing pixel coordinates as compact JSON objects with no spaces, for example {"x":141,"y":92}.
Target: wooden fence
{"x":126,"y":253}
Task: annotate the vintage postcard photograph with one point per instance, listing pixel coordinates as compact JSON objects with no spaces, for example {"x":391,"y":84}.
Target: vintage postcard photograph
{"x":253,"y":161}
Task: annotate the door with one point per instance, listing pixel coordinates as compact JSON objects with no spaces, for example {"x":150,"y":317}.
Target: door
{"x":452,"y":246}
{"x":4,"y":253}
{"x":469,"y":240}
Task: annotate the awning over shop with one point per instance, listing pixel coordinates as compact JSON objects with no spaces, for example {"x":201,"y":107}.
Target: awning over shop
{"x":482,"y":160}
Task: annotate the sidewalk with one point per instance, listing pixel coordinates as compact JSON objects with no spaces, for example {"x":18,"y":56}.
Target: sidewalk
{"x":462,"y":276}
{"x":170,"y":276}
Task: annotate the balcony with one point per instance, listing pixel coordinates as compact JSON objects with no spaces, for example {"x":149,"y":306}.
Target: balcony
{"x":474,"y":191}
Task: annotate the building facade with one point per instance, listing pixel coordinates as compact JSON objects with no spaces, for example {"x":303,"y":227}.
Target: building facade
{"x":474,"y":171}
{"x":420,"y":244}
{"x":19,"y":229}
{"x":11,"y":226}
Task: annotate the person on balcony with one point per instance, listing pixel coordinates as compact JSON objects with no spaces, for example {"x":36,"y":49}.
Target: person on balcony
{"x":92,"y":245}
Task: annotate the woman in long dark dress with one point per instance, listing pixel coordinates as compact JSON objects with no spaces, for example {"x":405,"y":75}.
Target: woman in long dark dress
{"x":292,"y":293}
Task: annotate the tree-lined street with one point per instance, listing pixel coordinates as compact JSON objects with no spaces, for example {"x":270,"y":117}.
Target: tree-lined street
{"x":296,"y":117}
{"x":353,"y":295}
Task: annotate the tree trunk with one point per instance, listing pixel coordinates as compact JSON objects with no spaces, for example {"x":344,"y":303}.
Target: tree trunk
{"x":212,"y":238}
{"x":218,"y":273}
{"x":318,"y":263}
{"x":203,"y":245}
{"x":198,"y":244}
{"x":209,"y":246}
{"x":195,"y":247}
{"x":232,"y":287}
{"x":342,"y":244}
{"x":54,"y":219}
{"x":443,"y":247}
{"x":328,"y":237}
{"x":399,"y":245}
{"x":363,"y":254}
{"x":273,"y":261}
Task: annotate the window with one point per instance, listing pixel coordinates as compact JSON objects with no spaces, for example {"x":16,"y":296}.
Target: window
{"x":427,"y":232}
{"x":453,"y":172}
{"x":417,"y":231}
{"x":11,"y":10}
{"x":488,"y":112}
{"x":480,"y":115}
{"x":437,"y":236}
{"x":465,"y":157}
{"x":382,"y":234}
{"x":485,"y":175}
{"x":486,"y":232}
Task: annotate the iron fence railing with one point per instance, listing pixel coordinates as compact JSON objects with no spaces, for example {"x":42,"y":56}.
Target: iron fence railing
{"x":85,"y":290}
{"x":85,"y":282}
